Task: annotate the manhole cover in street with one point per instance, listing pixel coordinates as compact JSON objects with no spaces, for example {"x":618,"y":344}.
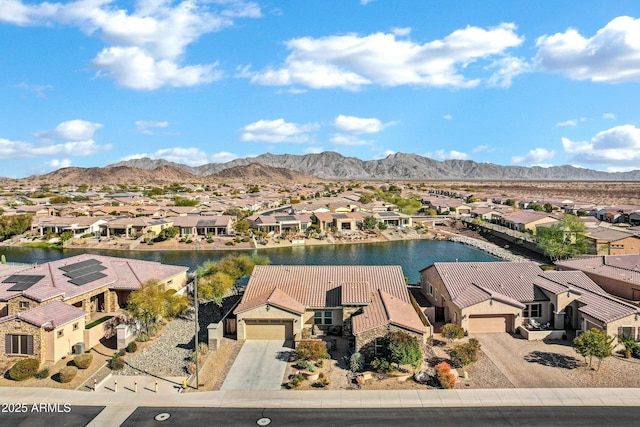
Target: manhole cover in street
{"x":162,"y":416}
{"x":264,"y":421}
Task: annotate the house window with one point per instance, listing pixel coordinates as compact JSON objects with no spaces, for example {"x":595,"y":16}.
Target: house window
{"x":378,"y":345}
{"x":75,"y":326}
{"x":60,"y":333}
{"x":24,"y":304}
{"x":533,"y":310}
{"x":18,"y":344}
{"x":627,"y":331}
{"x":323,"y":318}
{"x":430,"y":289}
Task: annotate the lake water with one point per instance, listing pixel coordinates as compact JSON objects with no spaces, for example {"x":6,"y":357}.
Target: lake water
{"x":412,"y":255}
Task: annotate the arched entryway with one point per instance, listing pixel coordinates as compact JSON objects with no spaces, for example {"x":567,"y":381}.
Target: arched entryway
{"x":568,"y":317}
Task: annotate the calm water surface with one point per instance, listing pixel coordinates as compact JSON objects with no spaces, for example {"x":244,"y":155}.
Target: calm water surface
{"x":412,"y":255}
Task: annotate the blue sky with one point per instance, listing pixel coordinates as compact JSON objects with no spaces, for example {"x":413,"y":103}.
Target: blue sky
{"x":92,"y":82}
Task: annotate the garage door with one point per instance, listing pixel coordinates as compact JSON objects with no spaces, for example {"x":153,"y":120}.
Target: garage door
{"x":269,"y":329}
{"x":492,"y":323}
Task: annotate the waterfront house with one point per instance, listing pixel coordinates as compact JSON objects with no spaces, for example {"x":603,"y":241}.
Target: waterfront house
{"x":43,"y":308}
{"x":489,"y":297}
{"x":363,"y":302}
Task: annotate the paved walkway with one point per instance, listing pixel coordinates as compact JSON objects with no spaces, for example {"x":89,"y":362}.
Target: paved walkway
{"x":260,"y":365}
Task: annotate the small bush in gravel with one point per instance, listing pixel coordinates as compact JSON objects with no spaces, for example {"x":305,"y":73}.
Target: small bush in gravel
{"x":296,"y":381}
{"x":191,"y":368}
{"x":445,"y":376}
{"x":464,"y":354}
{"x":142,"y":337}
{"x":67,"y":374}
{"x":24,"y":369}
{"x":121,"y":352}
{"x":382,"y":365}
{"x":356,"y":362}
{"x":193,"y":356}
{"x":83,"y":361}
{"x":451,"y":331}
{"x":116,"y":363}
{"x":306,"y":365}
{"x":474,"y":343}
{"x":323,"y":380}
{"x":43,"y":373}
{"x":203,"y":349}
{"x":312,"y":350}
{"x":132,"y":347}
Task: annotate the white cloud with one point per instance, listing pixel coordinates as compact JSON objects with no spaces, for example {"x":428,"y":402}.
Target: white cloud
{"x":17,"y":149}
{"x":145,"y":44}
{"x":570,"y":122}
{"x":39,"y":90}
{"x":508,"y":68}
{"x":352,"y":61}
{"x":383,"y":155}
{"x":277,"y":131}
{"x":75,"y":130}
{"x":350,"y":140}
{"x":535,"y":156}
{"x":610,"y":116}
{"x":357,"y":125}
{"x":405,"y":31}
{"x":58,"y":164}
{"x":612,"y":55}
{"x":313,"y":150}
{"x":483,"y":149}
{"x":447,"y":117}
{"x":618,"y":147}
{"x":147,"y":127}
{"x":447,"y":155}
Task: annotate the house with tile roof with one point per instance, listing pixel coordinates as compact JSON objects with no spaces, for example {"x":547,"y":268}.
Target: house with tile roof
{"x":364,"y":302}
{"x":485,"y":297}
{"x":617,"y":274}
{"x":43,"y":308}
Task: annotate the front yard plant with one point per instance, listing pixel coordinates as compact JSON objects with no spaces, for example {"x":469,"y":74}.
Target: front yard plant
{"x":24,"y":369}
{"x":594,"y":343}
{"x":67,"y":374}
{"x":356,"y":362}
{"x":465,"y":354}
{"x":445,"y":377}
{"x":83,"y":361}
{"x":312,"y":350}
{"x":452,"y":332}
{"x":116,"y":363}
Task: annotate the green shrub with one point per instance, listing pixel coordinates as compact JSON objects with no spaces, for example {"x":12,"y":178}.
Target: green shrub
{"x":296,"y":381}
{"x":356,"y":362}
{"x":323,"y":380}
{"x":382,"y":365}
{"x":24,"y":369}
{"x":67,"y":374}
{"x":142,"y":337}
{"x":43,"y":373}
{"x":121,"y":352}
{"x":312,"y":350}
{"x":83,"y":361}
{"x":132,"y":347}
{"x":451,"y":331}
{"x":306,"y":365}
{"x":402,"y":349}
{"x":474,"y":343}
{"x":116,"y":363}
{"x":464,"y":354}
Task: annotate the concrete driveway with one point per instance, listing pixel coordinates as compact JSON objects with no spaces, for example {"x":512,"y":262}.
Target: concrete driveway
{"x":260,"y":365}
{"x":530,"y":364}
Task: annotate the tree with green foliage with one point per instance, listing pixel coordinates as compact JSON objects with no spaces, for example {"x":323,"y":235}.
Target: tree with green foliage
{"x":369,"y":222}
{"x":594,"y":343}
{"x":238,"y":213}
{"x":536,"y":207}
{"x":57,"y":199}
{"x":216,"y":279}
{"x":153,"y":191}
{"x":147,"y":304}
{"x":185,"y":201}
{"x":241,"y":226}
{"x":366,"y":198}
{"x":565,"y":239}
{"x":451,"y":331}
{"x":66,"y":235}
{"x":403,"y":349}
{"x":548,"y":207}
{"x":168,"y":233}
{"x":15,"y":224}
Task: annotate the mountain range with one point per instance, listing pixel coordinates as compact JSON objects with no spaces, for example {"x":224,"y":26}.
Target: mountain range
{"x":398,"y":166}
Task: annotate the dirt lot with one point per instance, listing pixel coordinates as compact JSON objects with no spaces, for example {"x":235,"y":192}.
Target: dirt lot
{"x":578,"y":191}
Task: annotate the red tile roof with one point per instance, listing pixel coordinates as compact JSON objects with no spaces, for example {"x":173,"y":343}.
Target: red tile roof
{"x":386,"y":309}
{"x":624,"y":268}
{"x":52,"y":315}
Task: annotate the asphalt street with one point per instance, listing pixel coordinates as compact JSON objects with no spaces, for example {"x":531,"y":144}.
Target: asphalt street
{"x":477,"y":416}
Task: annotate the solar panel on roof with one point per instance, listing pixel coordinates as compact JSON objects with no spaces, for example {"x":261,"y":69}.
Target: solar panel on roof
{"x":84,"y":271}
{"x":88,"y":278}
{"x":285,"y":218}
{"x":22,"y":281}
{"x":79,"y":265}
{"x":340,"y":216}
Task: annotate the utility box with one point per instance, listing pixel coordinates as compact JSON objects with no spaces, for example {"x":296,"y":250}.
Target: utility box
{"x":78,"y":348}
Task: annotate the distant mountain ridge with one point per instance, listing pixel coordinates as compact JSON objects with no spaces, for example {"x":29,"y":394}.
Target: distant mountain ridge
{"x":398,"y":166}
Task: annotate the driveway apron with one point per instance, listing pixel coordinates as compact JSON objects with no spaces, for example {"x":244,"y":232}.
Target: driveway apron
{"x":260,"y":365}
{"x":529,"y":364}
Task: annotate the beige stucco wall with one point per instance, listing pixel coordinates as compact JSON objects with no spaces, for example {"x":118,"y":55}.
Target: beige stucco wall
{"x":486,"y":307}
{"x":261,"y":312}
{"x":627,"y":246}
{"x":612,"y":286}
{"x":14,"y":305}
{"x":60,"y":346}
{"x":176,"y":282}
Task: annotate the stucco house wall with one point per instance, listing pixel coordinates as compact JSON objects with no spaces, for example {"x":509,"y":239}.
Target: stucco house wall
{"x":60,"y":341}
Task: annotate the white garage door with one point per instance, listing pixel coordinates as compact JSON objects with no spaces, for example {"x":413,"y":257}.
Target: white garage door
{"x":269,"y":329}
{"x":490,"y":323}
